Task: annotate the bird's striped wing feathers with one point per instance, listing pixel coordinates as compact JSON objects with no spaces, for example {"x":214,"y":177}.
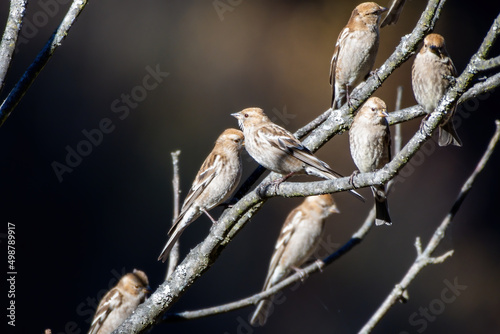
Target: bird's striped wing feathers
{"x":110,"y":302}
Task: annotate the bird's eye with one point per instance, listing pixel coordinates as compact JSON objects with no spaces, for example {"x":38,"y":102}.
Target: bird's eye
{"x":373,"y":109}
{"x":246,"y":115}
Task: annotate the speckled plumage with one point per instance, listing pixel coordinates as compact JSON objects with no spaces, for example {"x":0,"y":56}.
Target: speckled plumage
{"x":431,"y":71}
{"x":355,"y":51}
{"x":119,"y":302}
{"x":369,"y":142}
{"x":298,"y":240}
{"x":216,"y":180}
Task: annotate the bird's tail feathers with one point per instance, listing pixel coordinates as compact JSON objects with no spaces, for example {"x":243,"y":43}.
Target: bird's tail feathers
{"x":448,"y":135}
{"x":261,"y":313}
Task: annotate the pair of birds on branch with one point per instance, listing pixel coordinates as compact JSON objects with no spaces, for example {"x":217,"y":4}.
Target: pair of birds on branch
{"x":278,"y":150}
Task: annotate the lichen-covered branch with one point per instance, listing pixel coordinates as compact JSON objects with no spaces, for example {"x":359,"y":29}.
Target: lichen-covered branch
{"x":9,"y":38}
{"x":425,"y":257}
{"x":17,"y":93}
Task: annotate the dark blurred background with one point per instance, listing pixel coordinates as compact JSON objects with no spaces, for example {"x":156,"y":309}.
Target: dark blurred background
{"x":110,"y":214}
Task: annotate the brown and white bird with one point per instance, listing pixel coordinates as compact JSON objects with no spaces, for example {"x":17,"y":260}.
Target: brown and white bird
{"x":216,"y":180}
{"x":299,"y":239}
{"x":431,"y":74}
{"x":276,"y":149}
{"x":355,"y":51}
{"x":393,"y":14}
{"x":369,"y":141}
{"x":120,"y":302}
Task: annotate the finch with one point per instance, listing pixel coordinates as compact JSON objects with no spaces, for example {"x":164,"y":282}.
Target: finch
{"x":298,"y":240}
{"x":369,"y":141}
{"x":355,"y":51}
{"x":277,"y":149}
{"x":120,"y":302}
{"x":431,"y":74}
{"x":216,"y":180}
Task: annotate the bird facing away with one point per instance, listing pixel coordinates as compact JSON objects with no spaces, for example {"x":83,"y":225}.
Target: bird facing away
{"x":298,"y":240}
{"x":369,"y":141}
{"x":355,"y":51}
{"x":276,"y":149}
{"x":431,"y":74}
{"x":216,"y":180}
{"x":120,"y":302}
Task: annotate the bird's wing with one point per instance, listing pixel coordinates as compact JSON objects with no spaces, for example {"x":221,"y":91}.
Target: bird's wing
{"x":205,"y":176}
{"x":299,"y":151}
{"x":285,"y":235}
{"x":111,"y":301}
{"x":333,"y":62}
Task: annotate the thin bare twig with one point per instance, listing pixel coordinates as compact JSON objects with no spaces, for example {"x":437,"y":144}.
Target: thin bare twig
{"x":425,"y":257}
{"x":398,"y":139}
{"x":17,"y":93}
{"x":173,"y":257}
{"x":9,"y":38}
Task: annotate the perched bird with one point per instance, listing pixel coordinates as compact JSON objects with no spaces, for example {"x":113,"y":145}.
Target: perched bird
{"x":355,"y":51}
{"x":369,"y":141}
{"x":393,"y":14}
{"x":277,"y":149}
{"x":431,"y":74}
{"x":215,"y":182}
{"x":120,"y":302}
{"x":298,"y":240}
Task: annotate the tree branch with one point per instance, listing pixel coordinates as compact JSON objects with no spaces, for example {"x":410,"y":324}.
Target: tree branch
{"x":9,"y":38}
{"x":173,"y":257}
{"x":424,"y":258}
{"x":489,"y":64}
{"x":17,"y":93}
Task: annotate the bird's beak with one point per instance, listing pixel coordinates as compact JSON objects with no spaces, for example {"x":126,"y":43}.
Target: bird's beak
{"x":435,"y":49}
{"x":236,"y":114}
{"x":383,"y":9}
{"x":147,"y":290}
{"x":383,"y":113}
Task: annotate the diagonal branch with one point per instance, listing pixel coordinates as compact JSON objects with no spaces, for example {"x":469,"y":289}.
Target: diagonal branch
{"x":17,"y":93}
{"x":425,"y":258}
{"x":9,"y":39}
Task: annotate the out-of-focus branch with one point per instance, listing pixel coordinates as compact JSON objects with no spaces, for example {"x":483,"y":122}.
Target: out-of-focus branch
{"x":173,"y":257}
{"x":17,"y":93}
{"x":398,"y":137}
{"x":9,"y":38}
{"x":424,"y":257}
